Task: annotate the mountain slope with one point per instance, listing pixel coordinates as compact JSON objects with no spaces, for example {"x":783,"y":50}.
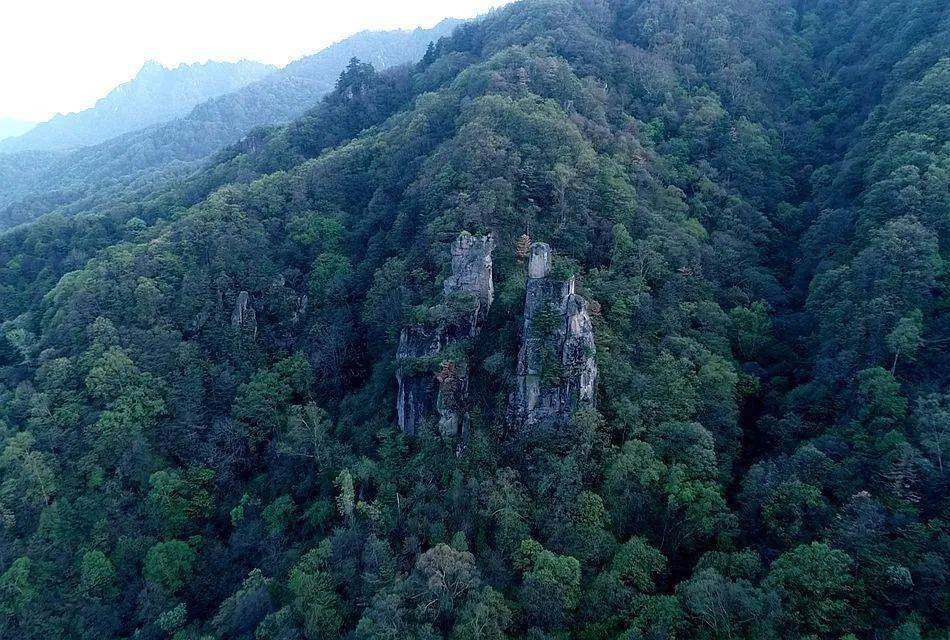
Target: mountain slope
{"x":154,"y":95}
{"x":200,"y":434}
{"x":210,"y":126}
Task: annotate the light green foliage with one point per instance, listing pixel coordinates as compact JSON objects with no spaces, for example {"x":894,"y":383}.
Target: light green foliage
{"x":279,"y":514}
{"x":170,"y":565}
{"x":717,"y":606}
{"x":17,"y":588}
{"x":526,"y":554}
{"x":97,"y":576}
{"x":443,"y":578}
{"x":277,"y":626}
{"x":677,"y":493}
{"x":752,"y":328}
{"x":637,"y":564}
{"x":906,"y":337}
{"x":262,"y":402}
{"x":550,"y":588}
{"x":177,"y":499}
{"x":328,"y":275}
{"x":173,"y":619}
{"x":588,"y":537}
{"x":659,"y":616}
{"x":239,"y":512}
{"x":28,"y":472}
{"x":484,"y":616}
{"x":132,"y":399}
{"x":315,"y":601}
{"x":881,"y":404}
{"x":241,"y":612}
{"x":794,"y":511}
{"x":9,"y":353}
{"x":111,"y":374}
{"x":814,"y":583}
{"x":314,"y":230}
{"x":346,"y":496}
{"x":308,"y":436}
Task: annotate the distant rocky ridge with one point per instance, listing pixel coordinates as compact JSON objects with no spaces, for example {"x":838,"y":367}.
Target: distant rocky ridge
{"x":10,"y":127}
{"x":33,"y":183}
{"x":156,"y":94}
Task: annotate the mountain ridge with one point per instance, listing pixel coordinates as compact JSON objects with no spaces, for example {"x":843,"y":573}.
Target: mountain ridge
{"x":155,"y":94}
{"x":209,"y":126}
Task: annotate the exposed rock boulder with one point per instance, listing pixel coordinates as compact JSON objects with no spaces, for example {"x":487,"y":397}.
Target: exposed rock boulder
{"x":557,"y":371}
{"x":432,"y":374}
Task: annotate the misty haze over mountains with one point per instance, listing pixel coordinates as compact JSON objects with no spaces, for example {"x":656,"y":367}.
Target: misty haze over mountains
{"x":10,"y":127}
{"x":43,"y":176}
{"x":155,"y":94}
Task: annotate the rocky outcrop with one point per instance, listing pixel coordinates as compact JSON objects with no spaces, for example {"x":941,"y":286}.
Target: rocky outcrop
{"x":557,"y":371}
{"x":431,"y":373}
{"x":472,"y":273}
{"x":243,"y":316}
{"x":417,"y":385}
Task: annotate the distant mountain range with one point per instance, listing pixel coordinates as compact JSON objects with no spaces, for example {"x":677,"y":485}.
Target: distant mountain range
{"x":10,"y":127}
{"x":154,"y":95}
{"x":36,"y":182}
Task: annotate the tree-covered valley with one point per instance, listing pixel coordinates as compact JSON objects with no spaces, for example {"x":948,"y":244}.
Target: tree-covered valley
{"x":606,"y":319}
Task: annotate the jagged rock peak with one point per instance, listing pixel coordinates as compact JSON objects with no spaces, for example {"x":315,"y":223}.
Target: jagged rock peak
{"x":578,"y":361}
{"x":417,"y":390}
{"x":472,"y":268}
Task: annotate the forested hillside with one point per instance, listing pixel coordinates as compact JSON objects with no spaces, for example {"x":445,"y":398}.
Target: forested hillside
{"x":105,"y":171}
{"x":607,"y":319}
{"x":154,"y":95}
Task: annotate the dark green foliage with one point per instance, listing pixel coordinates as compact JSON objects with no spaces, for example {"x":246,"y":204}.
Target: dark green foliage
{"x":752,"y":195}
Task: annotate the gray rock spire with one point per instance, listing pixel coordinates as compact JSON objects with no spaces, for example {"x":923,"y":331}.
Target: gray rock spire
{"x":557,"y":370}
{"x":430,"y":386}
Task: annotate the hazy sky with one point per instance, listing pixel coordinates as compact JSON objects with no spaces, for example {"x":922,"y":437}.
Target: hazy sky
{"x":61,"y":55}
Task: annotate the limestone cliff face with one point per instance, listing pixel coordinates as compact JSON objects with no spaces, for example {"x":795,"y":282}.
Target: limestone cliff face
{"x":430,"y":383}
{"x":557,"y":372}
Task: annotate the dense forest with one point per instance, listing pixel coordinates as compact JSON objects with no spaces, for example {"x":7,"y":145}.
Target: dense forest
{"x":606,"y":319}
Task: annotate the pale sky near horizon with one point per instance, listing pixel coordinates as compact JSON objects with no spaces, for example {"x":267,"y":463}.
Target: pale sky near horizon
{"x":60,"y":56}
